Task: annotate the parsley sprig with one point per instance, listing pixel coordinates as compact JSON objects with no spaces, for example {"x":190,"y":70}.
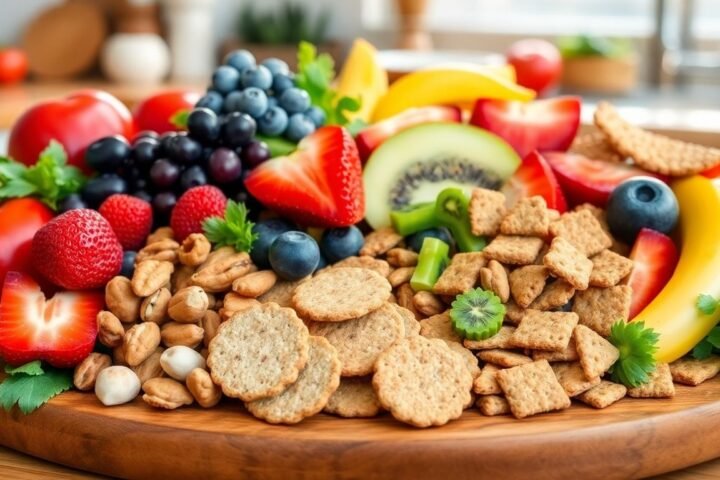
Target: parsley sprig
{"x":235,"y":229}
{"x":31,"y":385}
{"x":707,"y":305}
{"x":637,"y":346}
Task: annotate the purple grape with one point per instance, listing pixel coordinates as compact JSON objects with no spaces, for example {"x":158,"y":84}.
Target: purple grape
{"x":164,"y":202}
{"x":192,"y":177}
{"x":164,"y":173}
{"x":255,"y":153}
{"x":225,"y":165}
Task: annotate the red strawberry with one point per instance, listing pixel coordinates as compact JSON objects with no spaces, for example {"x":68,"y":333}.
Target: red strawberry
{"x":587,"y":180}
{"x":77,"y":250}
{"x":60,"y":331}
{"x":655,"y":258}
{"x":534,"y":177}
{"x":371,"y":137}
{"x":542,"y":125}
{"x":194,"y":207}
{"x":131,"y":219}
{"x":318,"y":185}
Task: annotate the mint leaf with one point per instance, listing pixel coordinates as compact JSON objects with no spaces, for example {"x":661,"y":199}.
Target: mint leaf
{"x":33,"y":368}
{"x":637,"y":346}
{"x":31,"y":391}
{"x":179,"y":119}
{"x":234,"y":230}
{"x":706,"y":304}
{"x":702,"y":350}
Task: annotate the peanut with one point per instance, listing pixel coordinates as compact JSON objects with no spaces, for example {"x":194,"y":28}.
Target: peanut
{"x":150,"y":368}
{"x":202,"y":388}
{"x":166,"y":393}
{"x":255,"y":284}
{"x":87,"y":371}
{"x":405,"y":296}
{"x":400,"y":275}
{"x":427,"y":303}
{"x":187,"y":334}
{"x":188,"y":305}
{"x":494,"y":278}
{"x":110,"y":330}
{"x":121,"y":300}
{"x":194,"y":250}
{"x":140,"y":342}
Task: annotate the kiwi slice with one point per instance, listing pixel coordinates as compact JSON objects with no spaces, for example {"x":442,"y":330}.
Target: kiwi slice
{"x":477,"y":314}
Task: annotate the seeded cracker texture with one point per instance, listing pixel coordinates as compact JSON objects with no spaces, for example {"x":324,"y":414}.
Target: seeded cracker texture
{"x":503,"y":358}
{"x":491,"y":405}
{"x":568,"y":354}
{"x":309,"y":394}
{"x":532,"y":388}
{"x":603,"y":395}
{"x":573,"y":379}
{"x":380,"y":266}
{"x":529,"y":217}
{"x":599,"y":308}
{"x":461,"y":275}
{"x":439,"y":326}
{"x":544,"y":330}
{"x":281,"y":293}
{"x":555,"y":295}
{"x":486,"y":383}
{"x":583,"y":230}
{"x":691,"y":371}
{"x":422,"y":382}
{"x":487,"y":209}
{"x":596,"y":354}
{"x":566,"y":262}
{"x":412,"y":326}
{"x":659,"y":385}
{"x":526,"y":283}
{"x":380,"y":241}
{"x":514,"y":249}
{"x":500,"y":340}
{"x":354,"y":398}
{"x":339,"y":294}
{"x":609,"y":268}
{"x":360,"y":341}
{"x":259,"y":352}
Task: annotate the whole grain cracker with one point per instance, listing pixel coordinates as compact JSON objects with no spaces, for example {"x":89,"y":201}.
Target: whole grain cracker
{"x":487,"y":209}
{"x":609,"y":268}
{"x":526,"y":283}
{"x":494,"y":278}
{"x":568,"y":354}
{"x":599,"y":308}
{"x":410,"y":323}
{"x":532,"y":388}
{"x":513,"y":313}
{"x":401,"y":257}
{"x":422,"y":382}
{"x":380,"y":241}
{"x":461,"y":275}
{"x":555,"y":295}
{"x":281,"y":293}
{"x":567,"y":262}
{"x":550,"y":331}
{"x":354,"y":398}
{"x":596,"y":354}
{"x":603,"y":394}
{"x":692,"y":371}
{"x":471,"y":362}
{"x":659,"y":385}
{"x":439,"y":326}
{"x":651,"y":151}
{"x":310,"y":392}
{"x":594,"y":145}
{"x":572,"y":378}
{"x":339,"y":294}
{"x":583,"y":230}
{"x":259,"y":352}
{"x":491,"y":405}
{"x":503,"y":358}
{"x":528,"y":217}
{"x":380,"y":266}
{"x":486,"y":382}
{"x":514,"y":249}
{"x":500,"y":340}
{"x":360,"y":341}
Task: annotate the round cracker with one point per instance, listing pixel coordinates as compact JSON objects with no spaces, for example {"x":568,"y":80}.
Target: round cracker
{"x":339,"y":294}
{"x":281,"y":293}
{"x":412,"y":326}
{"x":258,"y":352}
{"x":422,"y":382}
{"x":359,"y":342}
{"x":309,"y":394}
{"x":354,"y":398}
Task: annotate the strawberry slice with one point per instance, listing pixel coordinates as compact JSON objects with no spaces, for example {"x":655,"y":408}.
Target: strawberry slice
{"x":542,"y":125}
{"x":60,"y":331}
{"x":586,"y":180}
{"x":535,"y":177}
{"x":371,"y":137}
{"x":655,"y":257}
{"x":318,"y":185}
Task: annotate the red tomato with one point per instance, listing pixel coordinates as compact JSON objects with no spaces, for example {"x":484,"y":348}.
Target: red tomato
{"x":13,"y":65}
{"x":154,"y":113}
{"x":537,"y":63}
{"x":20,"y":218}
{"x":75,"y":121}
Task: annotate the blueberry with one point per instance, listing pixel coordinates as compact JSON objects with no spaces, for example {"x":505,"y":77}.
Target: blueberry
{"x":185,"y":150}
{"x":272,"y":102}
{"x":273,"y":123}
{"x":142,"y":135}
{"x":164,"y":173}
{"x":97,"y":189}
{"x":212,"y":100}
{"x":282,"y":82}
{"x":641,"y":202}
{"x":203,"y":125}
{"x":128,"y":264}
{"x":294,"y":100}
{"x":322,"y":263}
{"x":317,"y":115}
{"x":166,"y":141}
{"x":339,"y":243}
{"x":107,"y":154}
{"x":71,"y":202}
{"x":144,"y":152}
{"x":192,"y":177}
{"x":254,"y":154}
{"x":276,"y":66}
{"x":253,"y":101}
{"x":294,"y":255}
{"x":299,"y":127}
{"x":225,"y":166}
{"x":238,"y":129}
{"x":259,"y":77}
{"x":232,"y":102}
{"x":142,"y":195}
{"x":267,"y":231}
{"x":225,"y":79}
{"x":163,"y":203}
{"x":415,"y":241}
{"x":240,"y":60}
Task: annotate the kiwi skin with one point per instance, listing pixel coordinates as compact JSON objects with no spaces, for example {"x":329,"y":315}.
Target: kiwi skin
{"x":477,"y":314}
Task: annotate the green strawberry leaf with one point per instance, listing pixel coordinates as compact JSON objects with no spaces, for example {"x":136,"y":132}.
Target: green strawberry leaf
{"x":234,"y":229}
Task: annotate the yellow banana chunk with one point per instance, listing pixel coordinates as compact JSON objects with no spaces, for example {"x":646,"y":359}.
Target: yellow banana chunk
{"x":448,"y":86}
{"x":362,"y":76}
{"x":673,"y":313}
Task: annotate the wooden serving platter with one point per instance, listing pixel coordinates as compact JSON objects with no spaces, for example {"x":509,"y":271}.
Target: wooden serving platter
{"x":633,"y":438}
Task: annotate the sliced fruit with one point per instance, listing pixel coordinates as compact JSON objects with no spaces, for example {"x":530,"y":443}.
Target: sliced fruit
{"x":60,"y":331}
{"x":452,"y":211}
{"x":654,"y":257}
{"x":586,"y":180}
{"x":415,"y":165}
{"x":543,"y":125}
{"x":432,"y":260}
{"x":477,"y":314}
{"x":318,"y":185}
{"x":535,"y":177}
{"x":447,"y":86}
{"x":371,"y":137}
{"x":362,"y":76}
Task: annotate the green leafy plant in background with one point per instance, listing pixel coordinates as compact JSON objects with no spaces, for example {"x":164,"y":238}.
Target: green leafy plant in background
{"x":288,"y":25}
{"x":589,"y":46}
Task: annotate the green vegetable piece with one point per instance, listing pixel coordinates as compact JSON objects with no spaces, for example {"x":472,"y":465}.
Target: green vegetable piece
{"x":706,"y":304}
{"x":234,"y":230}
{"x":31,"y":391}
{"x":432,"y":260}
{"x":637,"y":346}
{"x":702,"y":350}
{"x":31,"y":368}
{"x":451,"y":211}
{"x":477,"y":314}
{"x":414,"y":219}
{"x":279,"y":147}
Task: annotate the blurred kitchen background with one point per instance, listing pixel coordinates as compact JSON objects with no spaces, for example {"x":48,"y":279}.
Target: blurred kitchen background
{"x":659,"y":59}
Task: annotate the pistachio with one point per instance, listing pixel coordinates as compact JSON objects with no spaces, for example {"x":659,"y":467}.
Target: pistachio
{"x":202,"y":388}
{"x":116,"y":385}
{"x":121,"y":300}
{"x":87,"y":371}
{"x":188,"y":305}
{"x":140,"y":342}
{"x":154,"y":308}
{"x":166,"y":393}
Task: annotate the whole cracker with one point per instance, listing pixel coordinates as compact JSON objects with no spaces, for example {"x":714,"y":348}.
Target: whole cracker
{"x":360,"y":341}
{"x":281,"y":293}
{"x":339,"y":294}
{"x":257,"y":353}
{"x":487,"y":209}
{"x":422,"y":382}
{"x":603,"y":394}
{"x":380,"y":241}
{"x":439,"y":326}
{"x":567,"y":262}
{"x":354,"y":398}
{"x":526,"y":283}
{"x":659,"y":385}
{"x":583,"y":230}
{"x":471,"y":361}
{"x":503,"y":358}
{"x":532,"y":388}
{"x":691,"y":371}
{"x":310,"y":392}
{"x":599,"y":308}
{"x":486,"y":382}
{"x":461,"y":275}
{"x":412,"y":326}
{"x":514,"y":249}
{"x":609,"y":268}
{"x":596,"y":354}
{"x":500,"y":340}
{"x":375,"y":264}
{"x":568,"y":354}
{"x":513,"y":313}
{"x":555,"y":295}
{"x":549,"y":331}
{"x":529,"y":217}
{"x":572,"y":378}
{"x":491,"y":405}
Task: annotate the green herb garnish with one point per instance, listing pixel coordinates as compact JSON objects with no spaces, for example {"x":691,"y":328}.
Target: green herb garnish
{"x":706,"y":304}
{"x":233,"y":230}
{"x":179,"y":119}
{"x":637,"y":346}
{"x":30,"y":386}
{"x":707,"y":345}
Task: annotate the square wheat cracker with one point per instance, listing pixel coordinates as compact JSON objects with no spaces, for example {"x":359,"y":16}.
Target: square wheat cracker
{"x":555,"y":295}
{"x":380,"y":241}
{"x":609,"y":268}
{"x":514,"y":249}
{"x":491,"y":405}
{"x":599,"y":308}
{"x":486,"y":382}
{"x":596,"y":354}
{"x":526,"y":283}
{"x":503,"y":358}
{"x":603,"y":394}
{"x":544,"y":330}
{"x":691,"y":371}
{"x":500,"y":340}
{"x":568,"y":354}
{"x":513,"y":313}
{"x":583,"y":231}
{"x":487,"y":209}
{"x":528,"y":217}
{"x":461,"y":275}
{"x":572,"y":378}
{"x":532,"y":388}
{"x":659,"y":385}
{"x":567,"y":262}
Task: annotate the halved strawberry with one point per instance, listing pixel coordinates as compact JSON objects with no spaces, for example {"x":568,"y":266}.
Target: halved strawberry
{"x":535,"y":177}
{"x":318,"y":185}
{"x":586,"y":180}
{"x":655,"y":257}
{"x":60,"y":331}
{"x":371,"y":137}
{"x":542,"y":125}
